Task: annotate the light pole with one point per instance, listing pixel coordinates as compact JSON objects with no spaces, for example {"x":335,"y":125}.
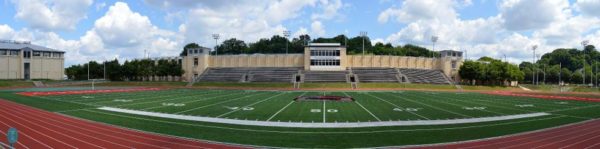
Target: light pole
{"x":433,"y":40}
{"x":584,"y":43}
{"x":216,"y":37}
{"x":533,"y":74}
{"x":286,"y":34}
{"x":363,"y":35}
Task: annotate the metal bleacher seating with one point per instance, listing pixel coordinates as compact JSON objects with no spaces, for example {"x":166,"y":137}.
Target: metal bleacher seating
{"x":425,"y":76}
{"x":368,"y":74}
{"x":325,"y":76}
{"x":256,"y":74}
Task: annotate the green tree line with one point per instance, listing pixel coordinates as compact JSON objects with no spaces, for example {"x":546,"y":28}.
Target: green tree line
{"x":277,"y":44}
{"x":138,"y":70}
{"x":567,"y":65}
{"x":489,"y":71}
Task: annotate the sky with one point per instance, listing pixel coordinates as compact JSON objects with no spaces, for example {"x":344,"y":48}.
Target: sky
{"x":104,"y":30}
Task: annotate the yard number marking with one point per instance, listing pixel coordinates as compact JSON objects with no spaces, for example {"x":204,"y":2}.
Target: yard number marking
{"x":474,"y":108}
{"x":525,"y":105}
{"x":243,"y":108}
{"x":87,"y":97}
{"x":122,"y":100}
{"x":315,"y":110}
{"x":173,"y":104}
{"x":407,"y":109}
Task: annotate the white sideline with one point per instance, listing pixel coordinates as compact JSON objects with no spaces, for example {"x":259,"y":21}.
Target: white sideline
{"x":323,"y":125}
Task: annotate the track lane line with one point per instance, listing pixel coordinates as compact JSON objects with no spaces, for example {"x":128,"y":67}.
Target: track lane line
{"x":111,"y":139}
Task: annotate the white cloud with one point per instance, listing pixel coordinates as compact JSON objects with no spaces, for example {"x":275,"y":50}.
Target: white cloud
{"x":416,"y":10}
{"x":51,"y":14}
{"x":317,"y":28}
{"x":533,"y":14}
{"x":330,"y":9}
{"x":589,"y":7}
{"x":120,"y":27}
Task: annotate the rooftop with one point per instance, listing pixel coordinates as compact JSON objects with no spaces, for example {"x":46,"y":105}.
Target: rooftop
{"x":17,"y":45}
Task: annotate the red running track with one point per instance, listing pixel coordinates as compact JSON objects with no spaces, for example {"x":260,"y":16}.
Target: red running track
{"x":47,"y":93}
{"x":43,"y":129}
{"x":584,"y":135}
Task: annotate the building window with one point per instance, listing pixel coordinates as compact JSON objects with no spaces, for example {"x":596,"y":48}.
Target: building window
{"x":36,"y":54}
{"x":56,"y":55}
{"x":14,"y":52}
{"x":453,"y":64}
{"x":3,"y":52}
{"x":195,"y":61}
{"x":46,"y":54}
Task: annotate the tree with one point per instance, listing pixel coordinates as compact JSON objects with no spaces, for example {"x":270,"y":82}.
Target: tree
{"x":188,"y":46}
{"x":232,"y":46}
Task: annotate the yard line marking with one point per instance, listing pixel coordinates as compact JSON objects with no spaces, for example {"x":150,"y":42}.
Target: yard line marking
{"x":272,"y":116}
{"x":398,"y":106}
{"x":250,"y":105}
{"x":324,"y":110}
{"x":575,"y":108}
{"x":216,"y":103}
{"x":430,"y":106}
{"x":440,"y":101}
{"x":185,"y":97}
{"x":367,"y":110}
{"x":364,"y":108}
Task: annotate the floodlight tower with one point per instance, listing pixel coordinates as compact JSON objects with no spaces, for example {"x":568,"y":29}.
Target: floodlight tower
{"x":286,"y":34}
{"x":216,"y":37}
{"x":363,"y":34}
{"x":434,"y":39}
{"x":584,"y":43}
{"x":533,"y":48}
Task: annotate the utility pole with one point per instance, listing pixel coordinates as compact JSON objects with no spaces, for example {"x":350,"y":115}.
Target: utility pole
{"x":88,"y":70}
{"x":560,"y":74}
{"x":533,"y":63}
{"x":363,"y":35}
{"x":584,"y":43}
{"x":286,"y":34}
{"x":433,"y":40}
{"x":216,"y":37}
{"x":104,"y":64}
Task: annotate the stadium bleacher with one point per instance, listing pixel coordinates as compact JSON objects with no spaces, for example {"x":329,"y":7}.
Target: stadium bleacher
{"x":425,"y":76}
{"x":256,"y":74}
{"x":286,"y":74}
{"x":369,"y":74}
{"x":325,"y":76}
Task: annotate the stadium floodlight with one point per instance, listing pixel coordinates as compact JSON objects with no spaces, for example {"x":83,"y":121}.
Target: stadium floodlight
{"x":286,"y":34}
{"x":533,"y":48}
{"x":434,"y":39}
{"x":363,"y":34}
{"x":216,"y":37}
{"x":584,"y":44}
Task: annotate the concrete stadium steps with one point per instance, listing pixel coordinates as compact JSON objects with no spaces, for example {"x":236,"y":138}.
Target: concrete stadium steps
{"x":273,"y":74}
{"x":325,"y":76}
{"x":256,"y":74}
{"x":370,"y":74}
{"x":425,"y":76}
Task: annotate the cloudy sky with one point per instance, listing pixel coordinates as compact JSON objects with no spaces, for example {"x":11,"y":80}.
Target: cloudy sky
{"x":98,"y":30}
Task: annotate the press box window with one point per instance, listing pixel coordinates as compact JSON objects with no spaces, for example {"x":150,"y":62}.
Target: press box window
{"x":195,"y":61}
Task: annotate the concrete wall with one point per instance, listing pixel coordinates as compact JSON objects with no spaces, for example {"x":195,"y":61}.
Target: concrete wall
{"x":257,"y":60}
{"x":12,"y":67}
{"x":299,"y":60}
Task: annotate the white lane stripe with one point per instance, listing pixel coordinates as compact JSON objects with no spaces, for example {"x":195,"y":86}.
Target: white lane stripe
{"x":39,"y":132}
{"x":324,"y":115}
{"x":572,"y":144}
{"x":317,"y":125}
{"x":105,"y":134}
{"x":398,"y":106}
{"x":70,"y":130}
{"x":23,"y":135}
{"x":251,"y":104}
{"x":556,"y":136}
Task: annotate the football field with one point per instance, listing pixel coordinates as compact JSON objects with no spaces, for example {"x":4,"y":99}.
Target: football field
{"x":413,"y":116}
